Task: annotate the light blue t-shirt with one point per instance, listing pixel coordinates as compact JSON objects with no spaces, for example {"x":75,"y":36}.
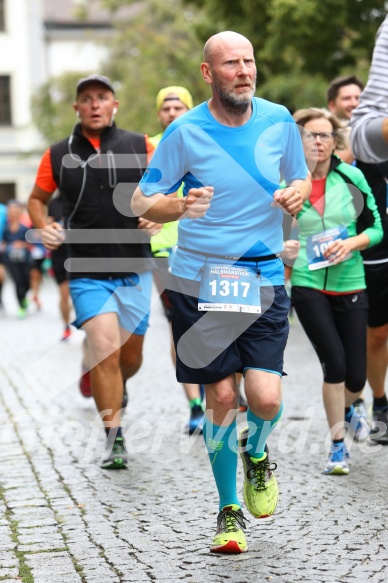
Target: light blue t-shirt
{"x":245,"y":165}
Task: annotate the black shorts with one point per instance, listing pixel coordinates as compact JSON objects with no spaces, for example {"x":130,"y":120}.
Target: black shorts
{"x":37,"y":264}
{"x":58,"y":258}
{"x":212,"y":345}
{"x":376,"y":276}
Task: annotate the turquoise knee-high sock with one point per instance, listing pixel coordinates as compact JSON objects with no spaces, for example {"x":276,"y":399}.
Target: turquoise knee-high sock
{"x":221,"y":444}
{"x":259,"y":430}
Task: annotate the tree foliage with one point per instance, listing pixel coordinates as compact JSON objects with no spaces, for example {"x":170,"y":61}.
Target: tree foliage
{"x":52,"y":109}
{"x":156,"y":48}
{"x":300,"y":45}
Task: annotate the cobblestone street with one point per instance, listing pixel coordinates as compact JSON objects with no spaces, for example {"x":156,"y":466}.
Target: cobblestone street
{"x":63,"y":519}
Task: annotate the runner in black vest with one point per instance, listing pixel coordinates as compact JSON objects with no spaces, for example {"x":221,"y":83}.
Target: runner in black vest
{"x":109,"y":259}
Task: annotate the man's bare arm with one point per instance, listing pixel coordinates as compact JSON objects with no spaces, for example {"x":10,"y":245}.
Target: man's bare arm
{"x":160,"y":208}
{"x":51,"y":235}
{"x":291,"y":199}
{"x":304,"y":186}
{"x":37,"y":206}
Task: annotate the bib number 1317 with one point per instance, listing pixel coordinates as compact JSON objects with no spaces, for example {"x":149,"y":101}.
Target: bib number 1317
{"x":229,"y":288}
{"x":226,"y":288}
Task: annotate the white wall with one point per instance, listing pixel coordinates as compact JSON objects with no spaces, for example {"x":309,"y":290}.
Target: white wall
{"x":74,"y":55}
{"x":22,"y":50}
{"x":23,"y":60}
{"x":30,"y":56}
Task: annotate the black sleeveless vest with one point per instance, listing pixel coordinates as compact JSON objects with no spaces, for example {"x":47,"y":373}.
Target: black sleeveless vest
{"x":103,"y":239}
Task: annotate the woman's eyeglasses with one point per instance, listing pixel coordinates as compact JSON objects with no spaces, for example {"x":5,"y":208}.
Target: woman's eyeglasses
{"x":323,"y":136}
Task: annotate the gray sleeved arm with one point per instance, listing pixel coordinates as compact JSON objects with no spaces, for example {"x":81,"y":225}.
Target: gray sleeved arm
{"x":367,"y":119}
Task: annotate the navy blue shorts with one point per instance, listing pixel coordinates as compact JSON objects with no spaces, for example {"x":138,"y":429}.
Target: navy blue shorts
{"x":212,"y":345}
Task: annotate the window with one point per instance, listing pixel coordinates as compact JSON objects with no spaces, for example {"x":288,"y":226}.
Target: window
{"x":5,"y":100}
{"x":2,"y":16}
{"x":7,"y":191}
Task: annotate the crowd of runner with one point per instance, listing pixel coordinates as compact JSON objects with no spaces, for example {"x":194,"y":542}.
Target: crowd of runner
{"x":213,"y":210}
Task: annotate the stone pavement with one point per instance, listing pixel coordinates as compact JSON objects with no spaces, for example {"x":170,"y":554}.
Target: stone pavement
{"x":63,"y":519}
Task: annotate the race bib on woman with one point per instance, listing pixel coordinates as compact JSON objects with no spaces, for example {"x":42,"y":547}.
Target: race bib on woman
{"x":317,"y":244}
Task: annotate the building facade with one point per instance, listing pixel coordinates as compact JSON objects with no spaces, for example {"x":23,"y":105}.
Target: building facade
{"x":41,"y":39}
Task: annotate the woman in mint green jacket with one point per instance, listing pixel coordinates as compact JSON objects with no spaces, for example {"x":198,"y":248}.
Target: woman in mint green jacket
{"x":339,"y":220}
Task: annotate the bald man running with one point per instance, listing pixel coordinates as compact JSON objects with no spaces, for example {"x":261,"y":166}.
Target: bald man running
{"x":230,"y":305}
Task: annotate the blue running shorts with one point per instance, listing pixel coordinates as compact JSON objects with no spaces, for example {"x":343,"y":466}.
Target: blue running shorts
{"x":129,"y":297}
{"x":212,"y":345}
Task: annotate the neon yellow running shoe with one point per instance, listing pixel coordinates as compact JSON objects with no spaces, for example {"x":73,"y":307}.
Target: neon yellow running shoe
{"x":229,"y":537}
{"x":22,"y":312}
{"x":260,"y":488}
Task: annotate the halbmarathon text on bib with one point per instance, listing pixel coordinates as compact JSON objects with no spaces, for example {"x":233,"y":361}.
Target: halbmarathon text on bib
{"x":229,"y":288}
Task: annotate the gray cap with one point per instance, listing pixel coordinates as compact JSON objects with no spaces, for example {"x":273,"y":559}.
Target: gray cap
{"x":82,"y":83}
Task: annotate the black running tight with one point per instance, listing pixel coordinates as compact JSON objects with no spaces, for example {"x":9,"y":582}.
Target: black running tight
{"x":336,"y":326}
